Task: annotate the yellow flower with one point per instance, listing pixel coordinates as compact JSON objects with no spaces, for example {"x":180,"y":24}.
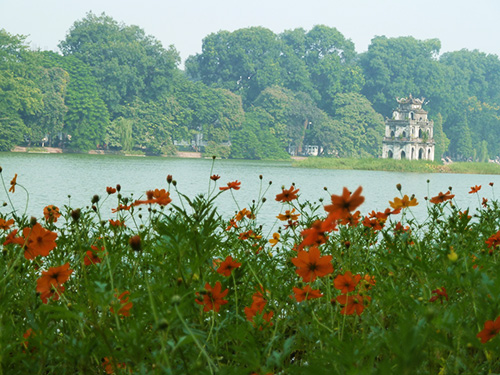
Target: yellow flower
{"x":274,"y":241}
{"x":403,"y":203}
{"x":452,"y":255}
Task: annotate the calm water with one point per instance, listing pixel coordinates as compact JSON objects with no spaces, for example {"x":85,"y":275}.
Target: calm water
{"x":50,"y":178}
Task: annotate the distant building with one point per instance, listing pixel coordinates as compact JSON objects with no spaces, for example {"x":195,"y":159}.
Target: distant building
{"x":409,"y":134}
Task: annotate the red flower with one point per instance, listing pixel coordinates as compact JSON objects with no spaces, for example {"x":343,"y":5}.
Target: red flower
{"x":214,"y":177}
{"x":306,"y":293}
{"x":474,"y":189}
{"x":231,"y":185}
{"x":212,"y":297}
{"x":311,"y":264}
{"x":440,"y":294}
{"x":228,"y":266}
{"x":125,"y":307}
{"x":110,"y":190}
{"x":287,"y":195}
{"x":39,"y":241}
{"x":50,"y":283}
{"x":352,"y":304}
{"x":51,"y":213}
{"x":343,"y":204}
{"x":491,"y":329}
{"x":346,"y":283}
{"x":442,"y":197}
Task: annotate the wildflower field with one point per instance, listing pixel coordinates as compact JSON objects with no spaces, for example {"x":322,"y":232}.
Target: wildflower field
{"x":169,"y":286}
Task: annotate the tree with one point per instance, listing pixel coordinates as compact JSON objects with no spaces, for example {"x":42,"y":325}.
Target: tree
{"x":396,"y":67}
{"x":125,"y":61}
{"x":19,"y":94}
{"x":441,"y":140}
{"x":245,"y":61}
{"x":87,"y":117}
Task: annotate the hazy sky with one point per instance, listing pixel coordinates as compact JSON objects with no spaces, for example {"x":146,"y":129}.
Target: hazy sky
{"x":184,"y":23}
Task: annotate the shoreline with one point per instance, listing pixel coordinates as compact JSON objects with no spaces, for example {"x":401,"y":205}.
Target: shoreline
{"x":375,"y":164}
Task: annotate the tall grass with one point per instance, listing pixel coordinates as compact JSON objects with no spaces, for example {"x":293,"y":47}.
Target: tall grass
{"x":392,"y":165}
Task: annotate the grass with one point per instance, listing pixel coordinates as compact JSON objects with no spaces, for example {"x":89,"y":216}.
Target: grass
{"x":391,"y":165}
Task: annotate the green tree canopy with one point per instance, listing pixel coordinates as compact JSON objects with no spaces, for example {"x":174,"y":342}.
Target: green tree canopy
{"x":125,"y":61}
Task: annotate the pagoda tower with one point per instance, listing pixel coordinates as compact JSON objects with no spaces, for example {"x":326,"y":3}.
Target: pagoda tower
{"x":409,"y":133}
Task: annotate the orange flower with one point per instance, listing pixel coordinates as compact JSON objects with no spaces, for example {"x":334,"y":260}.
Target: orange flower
{"x":13,"y":183}
{"x":244,"y":213}
{"x":258,"y":304}
{"x":50,"y":283}
{"x":121,"y":207}
{"x":6,"y":224}
{"x":306,"y":293}
{"x":440,"y":198}
{"x":39,"y":241}
{"x":494,"y":240}
{"x":274,"y":241}
{"x":228,"y":266}
{"x":51,"y":213}
{"x":212,"y":297}
{"x":125,"y":307}
{"x":116,"y":223}
{"x":108,"y":365}
{"x":287,"y":195}
{"x":343,"y":204}
{"x":249,"y":234}
{"x":311,"y":264}
{"x":110,"y":190}
{"x":11,"y":238}
{"x":375,"y":224}
{"x":315,"y":235}
{"x":91,"y":256}
{"x":403,"y":203}
{"x":232,"y":224}
{"x":352,"y":304}
{"x":161,"y":197}
{"x":231,"y":185}
{"x":491,"y":329}
{"x":214,"y":177}
{"x":346,"y":283}
{"x":440,"y":294}
{"x":474,"y":189}
{"x":288,"y":215}
{"x":352,"y":219}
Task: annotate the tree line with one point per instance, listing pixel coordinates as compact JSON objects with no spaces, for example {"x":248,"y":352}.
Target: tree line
{"x":250,"y":93}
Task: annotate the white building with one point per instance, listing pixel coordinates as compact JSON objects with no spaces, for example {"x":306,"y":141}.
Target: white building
{"x":409,"y":134}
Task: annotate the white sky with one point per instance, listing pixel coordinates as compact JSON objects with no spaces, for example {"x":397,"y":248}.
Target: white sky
{"x":184,"y":23}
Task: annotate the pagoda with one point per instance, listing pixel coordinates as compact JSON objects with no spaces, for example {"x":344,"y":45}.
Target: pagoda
{"x":409,"y":133}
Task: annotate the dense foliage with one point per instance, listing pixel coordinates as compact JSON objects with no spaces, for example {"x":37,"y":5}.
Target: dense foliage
{"x":250,"y":93}
{"x":169,"y":286}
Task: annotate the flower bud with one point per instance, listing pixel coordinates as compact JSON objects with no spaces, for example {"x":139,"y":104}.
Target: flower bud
{"x":75,"y":214}
{"x":135,"y":242}
{"x":32,"y":221}
{"x":398,"y":186}
{"x":95,"y":199}
{"x":169,"y":178}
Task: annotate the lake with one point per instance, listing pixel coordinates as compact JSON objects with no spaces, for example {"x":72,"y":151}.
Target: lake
{"x":51,"y":178}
